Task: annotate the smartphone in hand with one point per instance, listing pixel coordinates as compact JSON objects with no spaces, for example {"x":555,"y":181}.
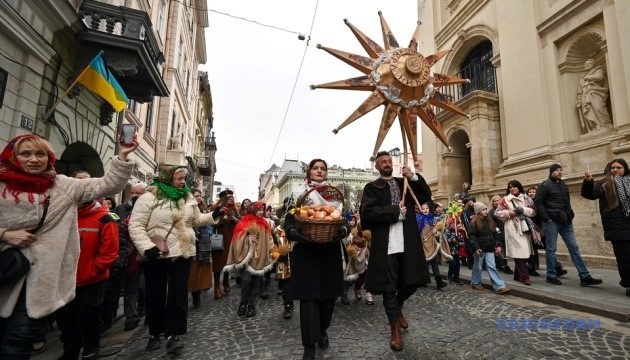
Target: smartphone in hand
{"x":127,"y":134}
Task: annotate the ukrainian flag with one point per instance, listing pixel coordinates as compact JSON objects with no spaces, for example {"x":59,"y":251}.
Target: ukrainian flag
{"x":96,"y":78}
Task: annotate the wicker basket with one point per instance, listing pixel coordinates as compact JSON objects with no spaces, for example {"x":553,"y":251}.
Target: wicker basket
{"x":319,"y":230}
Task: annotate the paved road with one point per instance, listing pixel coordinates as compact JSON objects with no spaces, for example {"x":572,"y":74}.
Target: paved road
{"x":457,"y":323}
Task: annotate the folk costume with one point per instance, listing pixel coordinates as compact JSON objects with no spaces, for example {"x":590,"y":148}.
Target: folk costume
{"x":250,"y":255}
{"x":434,"y":244}
{"x":280,"y":254}
{"x":456,"y":236}
{"x":316,"y":273}
{"x":170,"y":213}
{"x":50,"y":283}
{"x":225,"y":227}
{"x":397,"y":262}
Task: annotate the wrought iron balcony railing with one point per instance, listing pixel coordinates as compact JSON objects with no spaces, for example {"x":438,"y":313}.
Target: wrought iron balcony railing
{"x":482,"y":77}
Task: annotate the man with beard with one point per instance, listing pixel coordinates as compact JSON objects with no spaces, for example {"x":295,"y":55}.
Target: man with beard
{"x":397,"y":261}
{"x":134,"y":292}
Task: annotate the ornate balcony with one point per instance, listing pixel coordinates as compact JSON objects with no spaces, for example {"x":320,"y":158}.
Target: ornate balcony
{"x":131,"y":49}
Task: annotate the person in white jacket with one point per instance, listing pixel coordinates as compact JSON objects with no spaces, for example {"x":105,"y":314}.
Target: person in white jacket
{"x":167,"y":210}
{"x":515,"y":210}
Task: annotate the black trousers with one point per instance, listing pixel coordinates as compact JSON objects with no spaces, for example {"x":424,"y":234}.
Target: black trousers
{"x":112,"y":295}
{"x":622,"y":253}
{"x":80,"y":319}
{"x":285,"y":286}
{"x":250,"y":287}
{"x":18,"y":332}
{"x":396,"y":291}
{"x":315,"y":319}
{"x":132,"y":297}
{"x":166,"y":283}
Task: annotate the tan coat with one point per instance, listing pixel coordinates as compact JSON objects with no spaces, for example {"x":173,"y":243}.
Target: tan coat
{"x":51,"y":281}
{"x":150,"y":219}
{"x":248,"y":251}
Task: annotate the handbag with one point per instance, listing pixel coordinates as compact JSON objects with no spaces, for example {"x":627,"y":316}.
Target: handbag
{"x":160,"y":242}
{"x":13,"y":264}
{"x":217,"y":242}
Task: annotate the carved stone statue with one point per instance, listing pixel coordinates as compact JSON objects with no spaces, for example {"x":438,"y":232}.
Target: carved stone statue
{"x":175,"y":142}
{"x":591,"y":98}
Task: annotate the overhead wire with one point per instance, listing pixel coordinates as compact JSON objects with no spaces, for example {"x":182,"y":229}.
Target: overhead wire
{"x":297,"y":77}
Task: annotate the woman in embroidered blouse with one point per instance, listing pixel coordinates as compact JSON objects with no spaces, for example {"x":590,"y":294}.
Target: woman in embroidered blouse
{"x":512,"y":209}
{"x":613,"y":193}
{"x":317,"y":272}
{"x":30,"y":188}
{"x":167,"y":210}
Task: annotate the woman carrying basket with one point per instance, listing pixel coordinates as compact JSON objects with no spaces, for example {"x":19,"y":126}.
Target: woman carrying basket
{"x":317,"y":271}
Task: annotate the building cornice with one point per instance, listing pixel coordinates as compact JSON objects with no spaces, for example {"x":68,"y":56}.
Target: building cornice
{"x":455,"y":23}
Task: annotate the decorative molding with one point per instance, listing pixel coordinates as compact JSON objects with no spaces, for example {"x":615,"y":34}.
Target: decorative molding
{"x":30,"y":41}
{"x":462,"y":16}
{"x":588,"y":42}
{"x":561,"y":16}
{"x":466,"y":40}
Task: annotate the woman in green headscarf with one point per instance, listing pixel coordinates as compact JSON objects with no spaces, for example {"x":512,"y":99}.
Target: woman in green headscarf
{"x":169,"y":211}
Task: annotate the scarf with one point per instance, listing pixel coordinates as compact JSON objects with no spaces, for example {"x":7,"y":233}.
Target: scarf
{"x":17,"y":180}
{"x":165,"y":190}
{"x":623,"y":191}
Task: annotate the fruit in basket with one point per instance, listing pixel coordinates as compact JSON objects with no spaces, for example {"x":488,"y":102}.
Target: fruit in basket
{"x":317,"y":212}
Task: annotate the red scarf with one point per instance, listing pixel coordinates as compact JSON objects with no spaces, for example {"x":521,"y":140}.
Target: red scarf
{"x":17,"y":180}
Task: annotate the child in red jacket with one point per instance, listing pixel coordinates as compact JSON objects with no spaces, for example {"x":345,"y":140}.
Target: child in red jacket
{"x":80,"y":319}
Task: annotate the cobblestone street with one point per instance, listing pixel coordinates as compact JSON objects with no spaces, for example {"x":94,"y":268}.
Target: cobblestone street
{"x":457,"y":323}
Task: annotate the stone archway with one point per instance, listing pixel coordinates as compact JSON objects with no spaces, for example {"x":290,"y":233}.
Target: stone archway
{"x":80,"y":156}
{"x":456,"y":164}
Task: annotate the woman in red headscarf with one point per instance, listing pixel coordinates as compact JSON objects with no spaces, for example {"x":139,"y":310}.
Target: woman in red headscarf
{"x":38,"y":221}
{"x":250,"y":254}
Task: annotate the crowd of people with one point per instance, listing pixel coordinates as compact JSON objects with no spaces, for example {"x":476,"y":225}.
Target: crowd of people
{"x":68,"y":253}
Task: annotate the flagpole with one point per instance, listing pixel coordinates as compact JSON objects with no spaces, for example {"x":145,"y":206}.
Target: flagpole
{"x":65,"y":93}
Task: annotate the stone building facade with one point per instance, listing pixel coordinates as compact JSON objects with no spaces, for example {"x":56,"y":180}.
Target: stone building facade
{"x":526,"y":61}
{"x":46,"y":44}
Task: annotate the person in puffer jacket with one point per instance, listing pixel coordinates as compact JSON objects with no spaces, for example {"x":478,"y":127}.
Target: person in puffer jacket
{"x":80,"y":319}
{"x":483,"y":242}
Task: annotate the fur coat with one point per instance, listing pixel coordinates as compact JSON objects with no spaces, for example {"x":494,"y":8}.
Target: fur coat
{"x":149,"y":219}
{"x":51,"y":281}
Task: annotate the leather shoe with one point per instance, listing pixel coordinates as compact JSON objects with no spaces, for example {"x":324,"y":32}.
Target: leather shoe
{"x":553,"y":280}
{"x":588,"y":281}
{"x":401,"y":319}
{"x":395,"y":341}
{"x":561,"y":272}
{"x":217,"y":292}
{"x":323,"y":342}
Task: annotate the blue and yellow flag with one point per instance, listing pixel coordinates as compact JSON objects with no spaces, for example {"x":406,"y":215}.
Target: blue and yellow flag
{"x":96,"y":78}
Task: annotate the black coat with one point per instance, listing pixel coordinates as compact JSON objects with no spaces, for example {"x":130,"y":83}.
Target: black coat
{"x":485,"y":239}
{"x":316,"y":269}
{"x":377,"y":214}
{"x":553,"y":201}
{"x":616,"y":224}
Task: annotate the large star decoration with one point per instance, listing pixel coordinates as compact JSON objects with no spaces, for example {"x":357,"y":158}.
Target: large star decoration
{"x":400,"y":79}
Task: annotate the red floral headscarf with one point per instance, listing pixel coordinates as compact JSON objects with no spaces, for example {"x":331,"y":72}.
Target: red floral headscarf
{"x":17,"y":180}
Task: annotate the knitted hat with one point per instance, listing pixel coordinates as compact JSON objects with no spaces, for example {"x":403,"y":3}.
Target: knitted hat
{"x":478,"y":207}
{"x":554,"y":167}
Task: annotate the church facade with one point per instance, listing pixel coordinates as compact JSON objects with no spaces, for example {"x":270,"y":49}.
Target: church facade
{"x":549,"y":84}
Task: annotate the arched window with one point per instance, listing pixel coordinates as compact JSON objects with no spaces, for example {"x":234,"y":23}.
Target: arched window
{"x":478,"y":68}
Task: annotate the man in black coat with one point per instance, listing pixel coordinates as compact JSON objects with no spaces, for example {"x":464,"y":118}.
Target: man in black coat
{"x":553,"y":205}
{"x":397,"y":261}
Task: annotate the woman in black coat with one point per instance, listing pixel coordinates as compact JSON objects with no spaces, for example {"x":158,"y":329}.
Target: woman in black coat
{"x":613,"y":193}
{"x":316,"y":270}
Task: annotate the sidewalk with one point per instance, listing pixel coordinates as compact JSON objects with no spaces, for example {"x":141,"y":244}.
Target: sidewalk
{"x":607,"y":300}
